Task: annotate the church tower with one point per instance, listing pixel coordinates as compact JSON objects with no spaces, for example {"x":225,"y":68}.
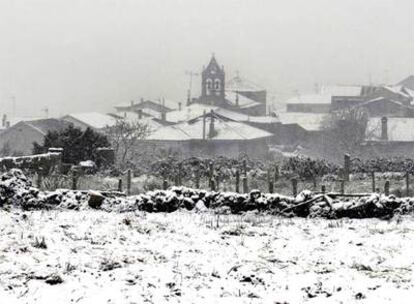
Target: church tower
{"x":212,"y":84}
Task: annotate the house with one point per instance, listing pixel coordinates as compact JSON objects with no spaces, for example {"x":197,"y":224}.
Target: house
{"x":94,"y":120}
{"x":133,"y":117}
{"x":210,"y":135}
{"x":383,"y":106}
{"x":389,"y":137}
{"x":239,"y":95}
{"x":19,"y":138}
{"x":147,"y":107}
{"x":320,"y":102}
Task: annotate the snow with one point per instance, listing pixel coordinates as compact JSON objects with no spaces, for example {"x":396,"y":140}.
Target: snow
{"x":308,"y":121}
{"x":226,"y":130}
{"x":185,"y":257}
{"x":93,"y":119}
{"x":243,"y":102}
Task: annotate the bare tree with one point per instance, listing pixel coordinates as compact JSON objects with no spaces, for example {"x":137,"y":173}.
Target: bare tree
{"x":124,"y":137}
{"x":346,"y":129}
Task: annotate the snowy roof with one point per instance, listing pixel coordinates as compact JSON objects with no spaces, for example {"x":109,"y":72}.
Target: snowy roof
{"x":399,"y":129}
{"x":407,"y":82}
{"x":240,"y":84}
{"x":167,"y":103}
{"x":310,"y":99}
{"x":132,"y":117}
{"x":243,"y":101}
{"x":93,"y":119}
{"x":42,"y":126}
{"x":196,"y":109}
{"x":308,"y":121}
{"x":341,"y":90}
{"x":225,"y":130}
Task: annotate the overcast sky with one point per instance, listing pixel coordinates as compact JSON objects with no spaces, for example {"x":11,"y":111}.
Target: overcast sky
{"x":86,"y":55}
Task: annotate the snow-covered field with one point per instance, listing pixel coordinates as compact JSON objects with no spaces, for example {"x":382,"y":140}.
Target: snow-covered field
{"x":183,"y":257}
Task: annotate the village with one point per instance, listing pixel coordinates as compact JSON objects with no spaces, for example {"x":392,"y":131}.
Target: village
{"x":234,"y":116}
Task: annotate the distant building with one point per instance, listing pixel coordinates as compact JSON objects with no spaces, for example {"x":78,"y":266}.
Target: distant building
{"x":94,"y":120}
{"x":238,"y":95}
{"x":210,"y":135}
{"x":19,"y":138}
{"x":147,"y":107}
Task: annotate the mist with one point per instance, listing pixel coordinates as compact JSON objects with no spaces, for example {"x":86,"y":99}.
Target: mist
{"x":73,"y":56}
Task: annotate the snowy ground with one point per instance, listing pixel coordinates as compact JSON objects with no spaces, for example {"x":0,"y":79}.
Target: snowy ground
{"x":184,"y":257}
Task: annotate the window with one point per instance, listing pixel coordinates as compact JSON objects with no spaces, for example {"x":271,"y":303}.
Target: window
{"x":217,"y":84}
{"x":209,"y":84}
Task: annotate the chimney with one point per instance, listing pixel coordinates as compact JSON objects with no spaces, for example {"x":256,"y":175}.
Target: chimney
{"x":179,"y":106}
{"x":204,"y":125}
{"x":7,"y":124}
{"x":163,"y":116}
{"x":237,"y":99}
{"x":4,"y":120}
{"x":211,"y":129}
{"x":384,"y":128}
{"x":139,"y":113}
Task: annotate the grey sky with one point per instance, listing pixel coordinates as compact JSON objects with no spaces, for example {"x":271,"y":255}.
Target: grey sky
{"x":83,"y":55}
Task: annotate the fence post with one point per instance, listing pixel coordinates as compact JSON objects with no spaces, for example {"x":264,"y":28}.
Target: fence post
{"x":245,"y":187}
{"x":270,"y":181}
{"x":407,"y":184}
{"x":74,"y":181}
{"x":373,"y":181}
{"x":129,"y":180}
{"x":237,"y":188}
{"x":276,"y":174}
{"x":342,"y":186}
{"x":179,"y":175}
{"x":323,"y":189}
{"x":120,"y":185}
{"x":39,"y":180}
{"x":387,"y":188}
{"x":294,"y":186}
{"x":217,"y":183}
{"x":244,"y":167}
{"x":213,"y":185}
{"x":347,"y":165}
{"x":197,"y":179}
{"x":210,"y":175}
{"x":164,"y":184}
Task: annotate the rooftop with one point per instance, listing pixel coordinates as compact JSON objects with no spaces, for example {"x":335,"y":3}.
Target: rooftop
{"x":193,"y":130}
{"x":308,"y":121}
{"x":93,"y":119}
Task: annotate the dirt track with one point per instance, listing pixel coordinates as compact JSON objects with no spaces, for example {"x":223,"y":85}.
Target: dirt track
{"x":184,"y":257}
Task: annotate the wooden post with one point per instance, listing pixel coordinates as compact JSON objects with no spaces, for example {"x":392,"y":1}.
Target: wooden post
{"x":217,"y":183}
{"x":347,"y":167}
{"x":342,"y":186}
{"x":294,"y":186}
{"x":165,"y":184}
{"x":74,"y":181}
{"x":407,"y":184}
{"x":373,"y":181}
{"x":197,"y":179}
{"x":276,"y":174}
{"x":387,"y":188}
{"x":129,"y":180}
{"x":213,"y":185}
{"x":244,"y":182}
{"x":210,"y":175}
{"x":179,"y":175}
{"x":39,"y":181}
{"x":323,"y":189}
{"x":237,"y":188}
{"x":244,"y":167}
{"x":270,"y":181}
{"x":120,"y":185}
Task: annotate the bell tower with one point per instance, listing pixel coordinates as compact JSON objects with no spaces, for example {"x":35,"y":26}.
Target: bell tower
{"x":212,"y":83}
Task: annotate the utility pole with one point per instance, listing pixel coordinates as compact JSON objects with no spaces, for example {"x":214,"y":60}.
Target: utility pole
{"x":191,"y":74}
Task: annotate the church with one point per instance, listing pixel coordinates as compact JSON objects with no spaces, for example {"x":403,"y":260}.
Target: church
{"x":238,"y":94}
